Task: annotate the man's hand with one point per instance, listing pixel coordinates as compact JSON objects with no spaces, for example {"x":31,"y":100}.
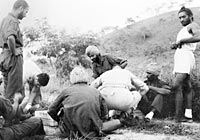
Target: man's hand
{"x":27,"y":107}
{"x":17,"y":97}
{"x":173,"y":46}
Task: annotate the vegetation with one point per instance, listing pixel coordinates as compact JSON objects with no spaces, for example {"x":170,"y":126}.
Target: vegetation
{"x":140,"y":43}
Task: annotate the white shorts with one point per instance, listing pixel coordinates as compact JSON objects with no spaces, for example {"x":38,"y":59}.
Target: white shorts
{"x":184,"y":61}
{"x":120,"y":98}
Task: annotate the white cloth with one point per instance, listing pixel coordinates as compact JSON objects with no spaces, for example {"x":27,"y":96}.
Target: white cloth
{"x":30,"y":69}
{"x":184,"y":60}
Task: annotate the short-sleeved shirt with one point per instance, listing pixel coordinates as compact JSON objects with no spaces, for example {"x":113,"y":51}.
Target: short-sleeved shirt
{"x":106,"y":63}
{"x":10,"y":26}
{"x":82,"y":110}
{"x":120,"y":78}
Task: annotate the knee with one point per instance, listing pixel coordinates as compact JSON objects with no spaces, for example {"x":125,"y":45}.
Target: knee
{"x":177,"y":86}
{"x":36,"y":120}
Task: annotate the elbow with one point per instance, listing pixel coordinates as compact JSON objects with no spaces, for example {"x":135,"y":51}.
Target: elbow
{"x":144,"y":91}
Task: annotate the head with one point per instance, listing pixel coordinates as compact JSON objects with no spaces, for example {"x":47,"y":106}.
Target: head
{"x":185,"y":15}
{"x":79,"y":75}
{"x":92,"y":52}
{"x":20,"y":9}
{"x":41,"y":79}
{"x":152,"y":71}
{"x":116,"y":67}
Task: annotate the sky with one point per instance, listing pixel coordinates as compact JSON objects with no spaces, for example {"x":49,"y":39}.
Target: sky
{"x":84,"y":15}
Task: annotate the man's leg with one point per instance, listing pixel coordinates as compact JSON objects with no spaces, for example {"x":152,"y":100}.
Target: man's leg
{"x":29,"y":127}
{"x":5,"y":81}
{"x":15,"y":78}
{"x":177,"y":86}
{"x":156,"y":106}
{"x":189,"y":96}
{"x":6,"y":133}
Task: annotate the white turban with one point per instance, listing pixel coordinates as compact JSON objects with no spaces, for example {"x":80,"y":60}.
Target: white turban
{"x":153,"y":68}
{"x":78,"y":75}
{"x":92,"y":50}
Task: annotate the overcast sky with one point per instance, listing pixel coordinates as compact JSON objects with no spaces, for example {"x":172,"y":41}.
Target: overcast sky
{"x":85,"y":14}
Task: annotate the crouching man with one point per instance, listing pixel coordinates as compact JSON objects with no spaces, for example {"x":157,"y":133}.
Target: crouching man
{"x":35,"y":79}
{"x":121,"y":89}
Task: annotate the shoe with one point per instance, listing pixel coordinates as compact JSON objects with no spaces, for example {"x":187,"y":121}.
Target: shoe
{"x":185,"y":119}
{"x":128,"y":120}
{"x":147,"y":120}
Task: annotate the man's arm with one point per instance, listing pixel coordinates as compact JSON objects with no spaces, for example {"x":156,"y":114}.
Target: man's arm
{"x":117,"y":61}
{"x":139,"y":84}
{"x":162,"y":91}
{"x":193,"y":29}
{"x":11,"y":44}
{"x":96,"y":83}
{"x":33,"y":93}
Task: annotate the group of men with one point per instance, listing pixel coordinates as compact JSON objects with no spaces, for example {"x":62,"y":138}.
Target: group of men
{"x":82,"y":109}
{"x":17,"y":106}
{"x":116,"y":88}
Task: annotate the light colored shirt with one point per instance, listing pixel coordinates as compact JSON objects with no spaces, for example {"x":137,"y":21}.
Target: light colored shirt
{"x":30,"y":69}
{"x":119,"y":78}
{"x":116,"y":85}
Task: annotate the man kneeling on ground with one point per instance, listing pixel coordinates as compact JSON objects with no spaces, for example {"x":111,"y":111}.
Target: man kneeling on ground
{"x":80,"y":109}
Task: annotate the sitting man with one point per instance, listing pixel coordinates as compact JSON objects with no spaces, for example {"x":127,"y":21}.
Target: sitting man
{"x":13,"y":127}
{"x":121,"y":89}
{"x":157,"y":90}
{"x":102,"y":63}
{"x":80,"y":109}
{"x":34,"y":78}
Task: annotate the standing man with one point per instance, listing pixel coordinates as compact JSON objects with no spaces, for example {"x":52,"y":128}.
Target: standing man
{"x":184,"y":63}
{"x":11,"y":63}
{"x":103,"y":63}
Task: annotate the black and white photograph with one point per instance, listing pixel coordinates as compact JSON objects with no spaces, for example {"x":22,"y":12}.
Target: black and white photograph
{"x":99,"y":69}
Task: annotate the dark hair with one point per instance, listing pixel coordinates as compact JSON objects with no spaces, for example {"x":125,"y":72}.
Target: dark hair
{"x":186,"y":10}
{"x":20,"y":3}
{"x":43,"y":79}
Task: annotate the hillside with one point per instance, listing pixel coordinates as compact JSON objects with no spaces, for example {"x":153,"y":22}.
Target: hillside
{"x":148,"y":41}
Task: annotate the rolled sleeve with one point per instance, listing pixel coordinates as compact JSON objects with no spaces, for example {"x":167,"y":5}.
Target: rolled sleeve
{"x":96,"y":83}
{"x":140,"y":85}
{"x":12,"y":29}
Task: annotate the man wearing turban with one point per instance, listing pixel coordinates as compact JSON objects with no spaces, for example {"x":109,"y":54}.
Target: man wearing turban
{"x":153,"y":100}
{"x":103,"y":63}
{"x":184,"y":63}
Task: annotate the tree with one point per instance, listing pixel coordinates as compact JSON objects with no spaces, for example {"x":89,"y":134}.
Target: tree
{"x":68,"y":49}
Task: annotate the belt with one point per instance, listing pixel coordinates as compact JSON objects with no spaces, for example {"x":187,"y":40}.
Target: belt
{"x":114,"y":85}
